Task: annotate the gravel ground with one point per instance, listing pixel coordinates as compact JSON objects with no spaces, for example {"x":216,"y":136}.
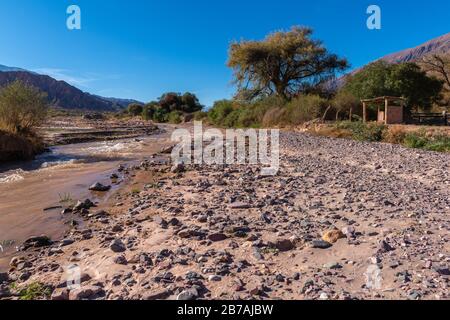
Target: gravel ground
{"x":341,"y":220}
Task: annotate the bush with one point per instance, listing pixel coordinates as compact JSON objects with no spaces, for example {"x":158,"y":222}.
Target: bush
{"x":304,"y":108}
{"x":160,"y":115}
{"x":175,"y":117}
{"x":200,"y":115}
{"x":147,"y":112}
{"x":220,"y":111}
{"x":135,"y":109}
{"x":22,"y":108}
{"x":420,"y":140}
{"x":363,"y":131}
{"x":395,"y":134}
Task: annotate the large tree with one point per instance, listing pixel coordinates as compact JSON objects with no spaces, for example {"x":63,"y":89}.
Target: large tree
{"x":404,"y":80}
{"x":439,"y":66}
{"x":284,"y":63}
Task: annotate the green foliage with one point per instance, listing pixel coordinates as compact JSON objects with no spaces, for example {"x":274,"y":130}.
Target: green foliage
{"x":35,"y":291}
{"x":404,"y":80}
{"x":160,"y":115}
{"x":135,"y":109}
{"x":284,"y":63}
{"x":22,"y":108}
{"x":187,"y":102}
{"x":420,"y":140}
{"x":304,"y":108}
{"x":220,"y":111}
{"x":175,"y":117}
{"x":363,"y":131}
{"x":344,"y":101}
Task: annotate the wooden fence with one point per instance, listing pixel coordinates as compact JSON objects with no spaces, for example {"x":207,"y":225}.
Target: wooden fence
{"x":431,"y":118}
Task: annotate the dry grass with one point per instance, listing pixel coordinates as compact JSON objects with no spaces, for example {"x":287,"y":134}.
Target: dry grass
{"x":15,"y":147}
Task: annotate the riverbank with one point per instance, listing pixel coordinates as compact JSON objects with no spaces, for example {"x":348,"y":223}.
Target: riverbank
{"x":16,"y":147}
{"x":342,"y":220}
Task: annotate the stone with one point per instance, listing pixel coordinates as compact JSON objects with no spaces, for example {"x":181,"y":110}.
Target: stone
{"x":117,"y":246}
{"x":98,"y":187}
{"x":384,"y":247}
{"x":85,"y":292}
{"x":178,"y":168}
{"x":239,"y":205}
{"x":324,"y":296}
{"x":215,"y":278}
{"x":284,"y":245}
{"x":121,"y":260}
{"x":158,"y":295}
{"x":36,"y":242}
{"x":216,"y":237}
{"x":60,"y":294}
{"x":320,"y":244}
{"x":4,"y":277}
{"x":332,"y":236}
{"x":442,"y":270}
{"x":188,"y":295}
{"x":333,"y":265}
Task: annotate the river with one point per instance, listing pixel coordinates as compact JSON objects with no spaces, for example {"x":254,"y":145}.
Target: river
{"x":60,"y":176}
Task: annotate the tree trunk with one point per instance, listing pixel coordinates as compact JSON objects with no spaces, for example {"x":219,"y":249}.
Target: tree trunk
{"x":326,"y":113}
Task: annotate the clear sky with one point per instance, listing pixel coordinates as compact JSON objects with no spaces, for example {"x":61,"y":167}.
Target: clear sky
{"x":142,"y":48}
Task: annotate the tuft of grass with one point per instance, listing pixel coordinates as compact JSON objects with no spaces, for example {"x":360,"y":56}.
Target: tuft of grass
{"x":135,"y":191}
{"x":34,"y":291}
{"x":66,"y":199}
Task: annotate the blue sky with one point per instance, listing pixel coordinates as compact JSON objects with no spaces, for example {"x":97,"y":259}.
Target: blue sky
{"x":140,"y":49}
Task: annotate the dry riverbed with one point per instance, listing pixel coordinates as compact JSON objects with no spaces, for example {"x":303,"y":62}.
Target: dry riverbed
{"x":341,"y":220}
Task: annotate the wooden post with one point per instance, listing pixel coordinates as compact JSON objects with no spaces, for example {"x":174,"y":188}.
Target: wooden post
{"x":386,"y":106}
{"x":364,"y":112}
{"x":351,"y":113}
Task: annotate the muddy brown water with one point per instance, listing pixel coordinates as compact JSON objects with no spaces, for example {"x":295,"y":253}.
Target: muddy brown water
{"x":64,"y":174}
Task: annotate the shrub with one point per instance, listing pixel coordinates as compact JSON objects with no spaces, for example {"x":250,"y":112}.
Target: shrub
{"x":304,"y":108}
{"x":175,"y":117}
{"x":395,"y":134}
{"x":147,"y":112}
{"x":135,"y":109}
{"x":22,"y":108}
{"x":420,"y":140}
{"x":363,"y":131}
{"x":200,"y":115}
{"x":160,"y":115}
{"x":220,"y":111}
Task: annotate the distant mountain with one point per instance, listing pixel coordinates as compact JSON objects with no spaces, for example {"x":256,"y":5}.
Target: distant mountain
{"x":122,"y":103}
{"x":9,"y":69}
{"x":60,"y":93}
{"x":440,"y":45}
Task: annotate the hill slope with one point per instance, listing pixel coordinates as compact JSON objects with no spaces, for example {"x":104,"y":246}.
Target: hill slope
{"x":60,"y":93}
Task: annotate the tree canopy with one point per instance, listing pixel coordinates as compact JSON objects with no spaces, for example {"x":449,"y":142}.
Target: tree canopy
{"x":284,"y":64}
{"x":404,"y":80}
{"x":439,"y":66}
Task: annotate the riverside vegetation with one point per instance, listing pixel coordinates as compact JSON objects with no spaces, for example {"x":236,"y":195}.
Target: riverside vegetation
{"x":22,"y":109}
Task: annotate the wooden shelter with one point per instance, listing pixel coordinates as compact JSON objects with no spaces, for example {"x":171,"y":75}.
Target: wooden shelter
{"x":388,"y":112}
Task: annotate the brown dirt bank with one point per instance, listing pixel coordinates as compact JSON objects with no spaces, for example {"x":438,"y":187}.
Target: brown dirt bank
{"x":15,"y":147}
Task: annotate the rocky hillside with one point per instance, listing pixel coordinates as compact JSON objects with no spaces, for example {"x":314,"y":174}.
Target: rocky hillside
{"x":439,"y":45}
{"x":60,"y":93}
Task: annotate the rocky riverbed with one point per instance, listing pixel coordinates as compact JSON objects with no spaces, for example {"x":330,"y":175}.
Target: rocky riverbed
{"x":341,"y":220}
